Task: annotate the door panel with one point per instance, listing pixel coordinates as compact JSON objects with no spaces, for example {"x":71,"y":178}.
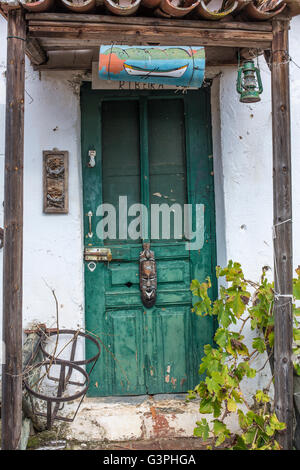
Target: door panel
{"x":167,"y":356}
{"x":126,"y":346}
{"x":167,"y":161}
{"x":120,"y":152}
{"x":153,"y":147}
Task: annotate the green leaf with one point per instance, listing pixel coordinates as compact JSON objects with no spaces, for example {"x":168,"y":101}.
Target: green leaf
{"x":217,"y":406}
{"x":279,"y":426}
{"x":231,"y":405}
{"x":296,"y":311}
{"x":262,"y":397}
{"x":270,"y":430}
{"x":212,"y":385}
{"x":240,"y":444}
{"x":202,"y":429}
{"x":206,"y":406}
{"x":259,"y":344}
{"x":242,"y":420}
{"x":296,"y":335}
{"x":297,"y":368}
{"x":219,"y":427}
{"x":271,"y":339}
{"x":249,"y":436}
{"x":236,"y":395}
{"x":296,"y":288}
{"x":220,"y":439}
{"x":221,"y":337}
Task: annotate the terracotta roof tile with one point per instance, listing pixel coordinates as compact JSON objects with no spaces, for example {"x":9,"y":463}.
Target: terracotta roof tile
{"x":257,"y":10}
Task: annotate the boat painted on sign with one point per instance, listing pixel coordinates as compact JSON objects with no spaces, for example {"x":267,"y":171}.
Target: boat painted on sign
{"x":172,"y":73}
{"x":170,"y":65}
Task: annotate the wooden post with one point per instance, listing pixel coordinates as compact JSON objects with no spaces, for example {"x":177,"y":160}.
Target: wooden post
{"x":282,"y":204}
{"x":13,"y":233}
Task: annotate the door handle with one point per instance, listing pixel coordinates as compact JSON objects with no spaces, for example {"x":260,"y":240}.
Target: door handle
{"x":90,"y":215}
{"x":148,"y":276}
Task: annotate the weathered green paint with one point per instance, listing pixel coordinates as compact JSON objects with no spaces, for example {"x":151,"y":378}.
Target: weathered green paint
{"x":147,"y":143}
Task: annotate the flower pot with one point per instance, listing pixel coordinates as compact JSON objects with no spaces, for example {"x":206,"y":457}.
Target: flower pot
{"x":254,"y":13}
{"x":39,"y":6}
{"x":172,"y":8}
{"x":122,"y":7}
{"x":204,"y":12}
{"x":82,"y":7}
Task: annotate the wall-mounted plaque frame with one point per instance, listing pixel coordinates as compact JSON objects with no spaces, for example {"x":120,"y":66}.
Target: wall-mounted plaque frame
{"x":55,"y":181}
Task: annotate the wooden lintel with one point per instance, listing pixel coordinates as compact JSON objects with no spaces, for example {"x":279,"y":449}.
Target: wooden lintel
{"x":92,"y":34}
{"x":36,"y":18}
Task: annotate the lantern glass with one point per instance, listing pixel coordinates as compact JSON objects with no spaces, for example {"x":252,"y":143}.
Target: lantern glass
{"x":249,"y":84}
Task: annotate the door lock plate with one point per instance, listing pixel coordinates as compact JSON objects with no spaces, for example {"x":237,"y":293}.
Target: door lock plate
{"x":97,"y":254}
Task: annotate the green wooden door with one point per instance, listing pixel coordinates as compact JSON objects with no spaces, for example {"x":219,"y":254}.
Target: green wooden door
{"x":154,"y":148}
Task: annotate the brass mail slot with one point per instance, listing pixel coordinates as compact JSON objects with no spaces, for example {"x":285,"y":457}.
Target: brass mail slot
{"x":97,"y":254}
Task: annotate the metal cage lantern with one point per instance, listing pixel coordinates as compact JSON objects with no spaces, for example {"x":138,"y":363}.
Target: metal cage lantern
{"x":249,"y":84}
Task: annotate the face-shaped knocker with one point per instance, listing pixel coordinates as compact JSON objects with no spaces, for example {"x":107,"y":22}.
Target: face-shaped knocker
{"x":148,"y":276}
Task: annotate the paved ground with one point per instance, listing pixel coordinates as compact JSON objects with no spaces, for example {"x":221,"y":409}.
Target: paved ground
{"x":158,"y":444}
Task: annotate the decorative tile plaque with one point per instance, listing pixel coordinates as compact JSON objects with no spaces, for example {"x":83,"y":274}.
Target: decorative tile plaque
{"x":55,"y":177}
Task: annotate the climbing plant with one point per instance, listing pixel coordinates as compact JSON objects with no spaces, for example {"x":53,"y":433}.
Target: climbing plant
{"x":229,"y":361}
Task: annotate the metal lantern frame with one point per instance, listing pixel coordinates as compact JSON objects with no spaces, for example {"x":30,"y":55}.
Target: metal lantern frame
{"x":249,"y":92}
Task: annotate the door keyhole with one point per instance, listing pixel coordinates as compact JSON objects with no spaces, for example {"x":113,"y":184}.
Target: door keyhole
{"x":128,"y":284}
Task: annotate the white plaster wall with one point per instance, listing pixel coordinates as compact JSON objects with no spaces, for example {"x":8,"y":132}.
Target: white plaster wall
{"x":243,"y":166}
{"x":243,"y":183}
{"x":52,"y":243}
{"x":242,"y":139}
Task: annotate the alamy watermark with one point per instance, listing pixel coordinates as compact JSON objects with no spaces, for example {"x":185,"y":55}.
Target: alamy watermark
{"x":159,"y":222}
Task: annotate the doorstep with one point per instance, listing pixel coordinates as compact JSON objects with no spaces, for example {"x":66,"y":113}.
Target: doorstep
{"x":134,"y":418}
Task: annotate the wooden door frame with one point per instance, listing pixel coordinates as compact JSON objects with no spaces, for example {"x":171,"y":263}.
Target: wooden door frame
{"x":208,"y":252}
{"x":13,"y":221}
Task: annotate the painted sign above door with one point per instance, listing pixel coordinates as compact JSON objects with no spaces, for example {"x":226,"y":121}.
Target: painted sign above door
{"x":170,"y":65}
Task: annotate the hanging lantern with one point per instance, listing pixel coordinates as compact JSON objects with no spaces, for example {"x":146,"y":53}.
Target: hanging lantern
{"x":249,"y":84}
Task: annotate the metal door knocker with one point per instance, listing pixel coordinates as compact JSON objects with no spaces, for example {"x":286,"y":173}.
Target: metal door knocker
{"x":148,"y":276}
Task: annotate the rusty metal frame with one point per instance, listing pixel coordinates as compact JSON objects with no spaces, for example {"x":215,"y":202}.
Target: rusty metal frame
{"x":56,"y":403}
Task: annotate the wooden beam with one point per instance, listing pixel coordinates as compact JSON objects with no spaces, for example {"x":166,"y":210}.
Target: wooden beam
{"x":35,"y":52}
{"x":282,"y":203}
{"x":13,"y":232}
{"x":145,"y":31}
{"x":94,"y":34}
{"x":36,"y":18}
